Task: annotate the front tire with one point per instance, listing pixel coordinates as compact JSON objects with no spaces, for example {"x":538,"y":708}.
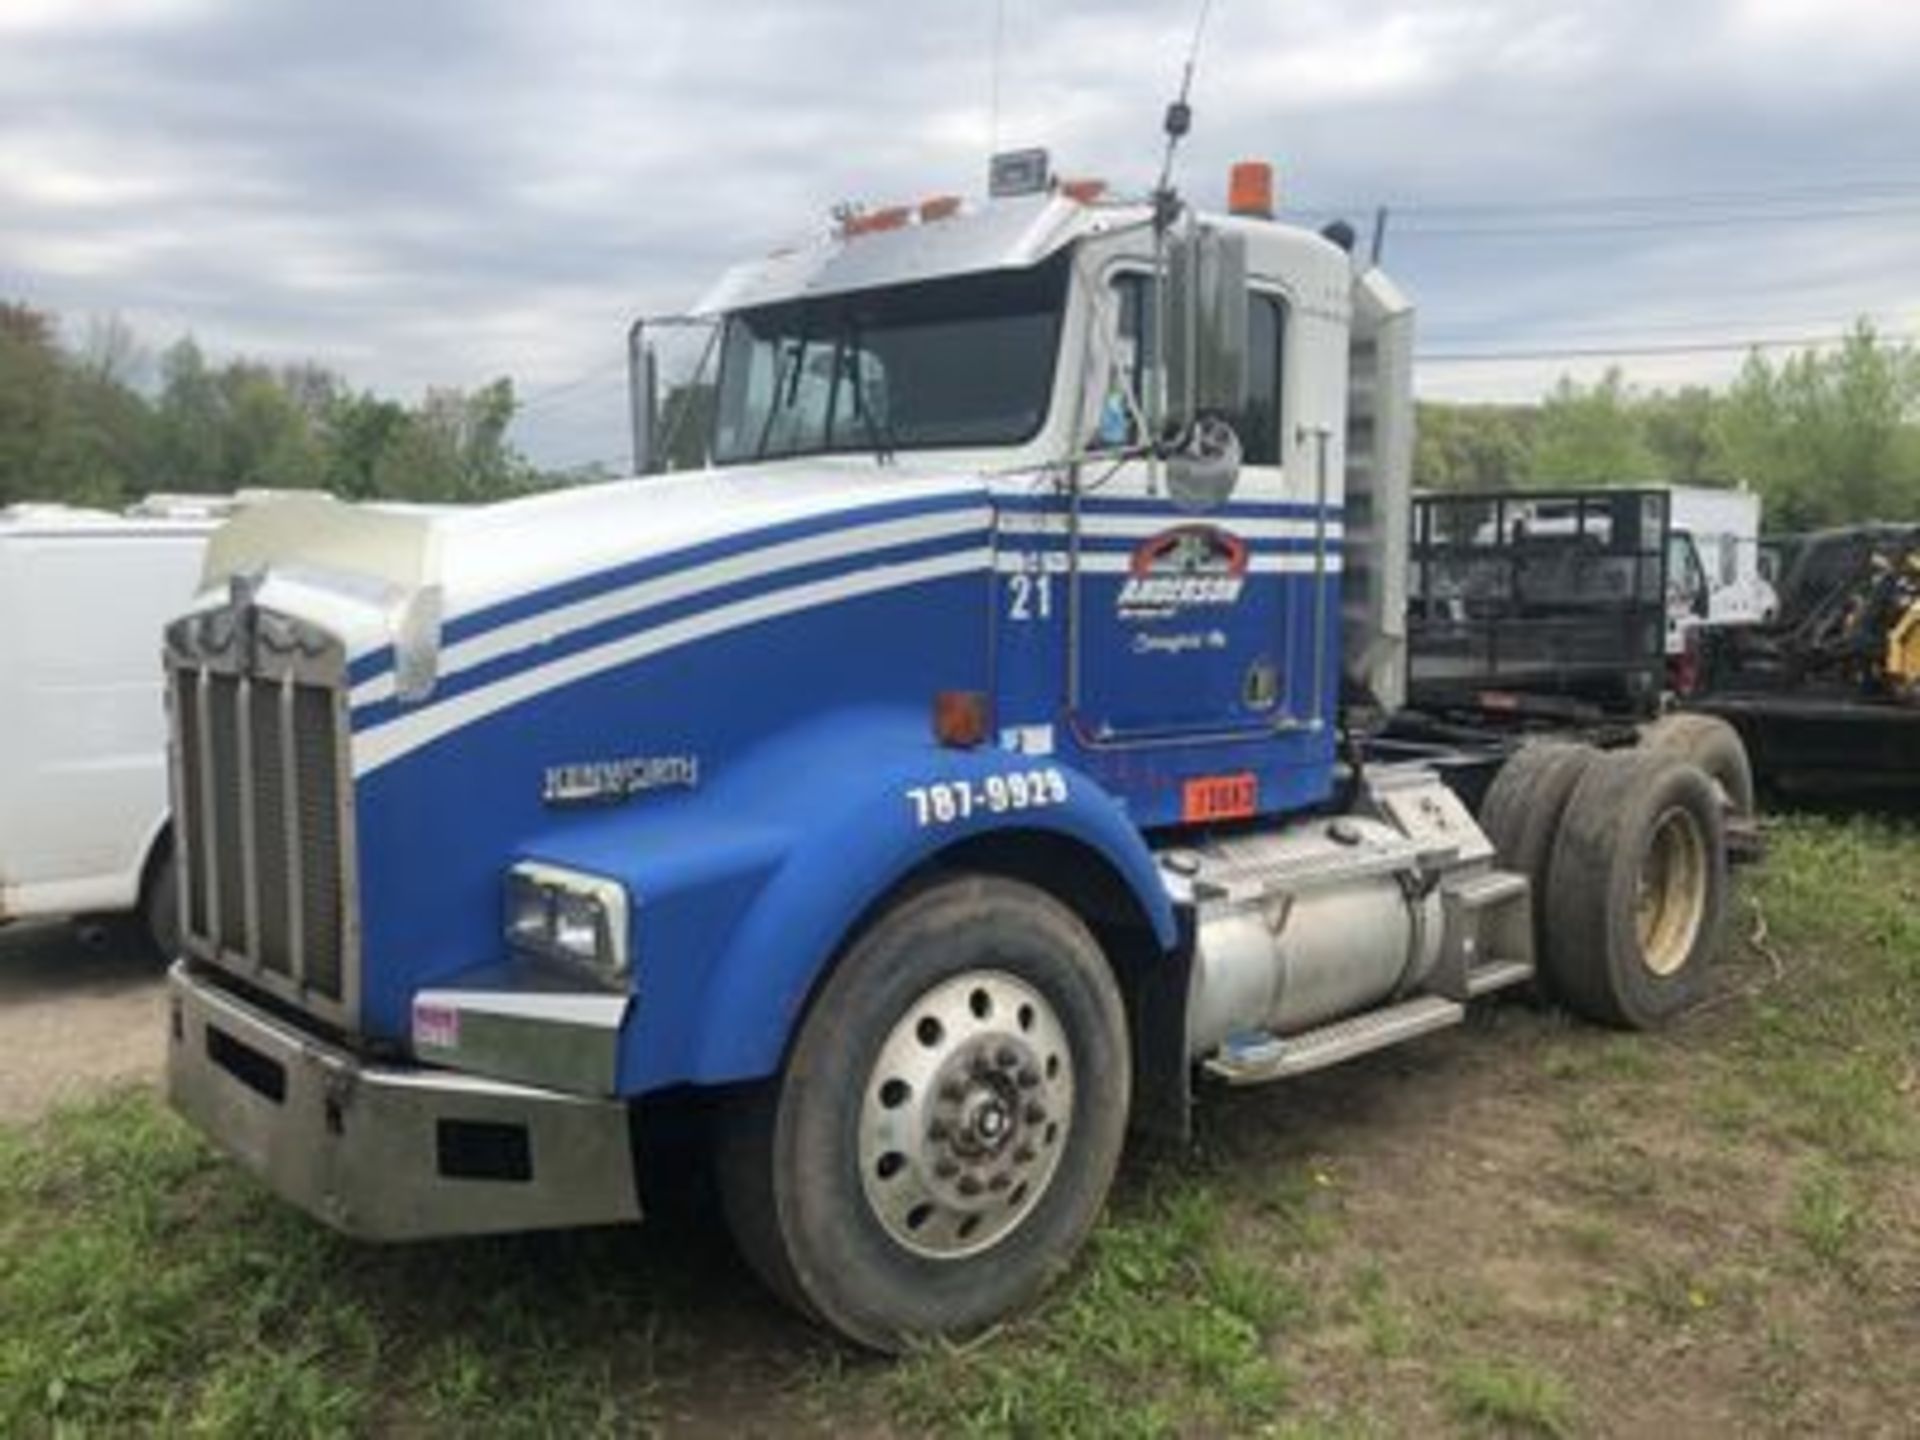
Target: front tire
{"x":948,"y":1122}
{"x":160,"y":906}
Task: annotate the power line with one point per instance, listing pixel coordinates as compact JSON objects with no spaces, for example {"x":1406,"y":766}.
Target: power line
{"x":1755,"y":220}
{"x":1627,"y":352}
{"x":1646,"y":224}
{"x":1663,"y":202}
{"x":1705,"y":330}
{"x":539,"y":398}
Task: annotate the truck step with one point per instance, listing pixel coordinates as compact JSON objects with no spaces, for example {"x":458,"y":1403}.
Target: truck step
{"x":1488,"y":941}
{"x":1498,"y":975}
{"x":1255,"y":1059}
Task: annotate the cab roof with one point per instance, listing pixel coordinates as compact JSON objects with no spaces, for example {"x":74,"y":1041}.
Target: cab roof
{"x":1000,"y":235}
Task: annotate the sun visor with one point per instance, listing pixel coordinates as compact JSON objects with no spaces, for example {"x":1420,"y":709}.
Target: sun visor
{"x":1008,"y":234}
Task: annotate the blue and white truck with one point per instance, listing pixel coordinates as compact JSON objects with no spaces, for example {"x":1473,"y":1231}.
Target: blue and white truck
{"x":961,"y":764}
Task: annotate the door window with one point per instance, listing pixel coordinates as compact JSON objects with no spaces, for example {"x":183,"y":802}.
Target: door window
{"x":1258,"y":425}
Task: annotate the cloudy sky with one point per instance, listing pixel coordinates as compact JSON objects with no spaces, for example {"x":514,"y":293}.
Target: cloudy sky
{"x":440,"y":191}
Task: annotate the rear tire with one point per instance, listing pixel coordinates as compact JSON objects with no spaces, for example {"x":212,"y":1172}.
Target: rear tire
{"x":948,"y":1122}
{"x":1712,"y":744}
{"x":1522,"y":814}
{"x":1637,"y":889}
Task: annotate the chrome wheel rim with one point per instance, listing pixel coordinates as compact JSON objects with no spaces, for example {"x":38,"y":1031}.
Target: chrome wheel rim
{"x":1672,"y":892}
{"x":965,"y":1114}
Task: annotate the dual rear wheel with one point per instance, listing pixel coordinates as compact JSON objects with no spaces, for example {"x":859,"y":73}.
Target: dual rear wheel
{"x":1626,"y":854}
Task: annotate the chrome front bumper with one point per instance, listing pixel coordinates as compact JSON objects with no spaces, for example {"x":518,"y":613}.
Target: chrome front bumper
{"x":391,"y":1152}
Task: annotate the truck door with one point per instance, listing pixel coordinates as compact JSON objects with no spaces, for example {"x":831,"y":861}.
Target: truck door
{"x":1193,"y":623}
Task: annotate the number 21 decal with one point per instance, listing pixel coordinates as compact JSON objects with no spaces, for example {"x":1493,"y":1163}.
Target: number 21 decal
{"x":1029,"y":597}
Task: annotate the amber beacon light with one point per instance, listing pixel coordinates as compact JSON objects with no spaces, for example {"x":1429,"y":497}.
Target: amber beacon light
{"x":1250,"y":189}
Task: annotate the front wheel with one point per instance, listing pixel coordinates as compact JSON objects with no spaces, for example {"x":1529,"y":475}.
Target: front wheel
{"x":160,"y":906}
{"x":948,"y":1123}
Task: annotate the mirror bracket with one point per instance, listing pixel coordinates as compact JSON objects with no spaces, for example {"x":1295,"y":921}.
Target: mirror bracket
{"x":643,"y":391}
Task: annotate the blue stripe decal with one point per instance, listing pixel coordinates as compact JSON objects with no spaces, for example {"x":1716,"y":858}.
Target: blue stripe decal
{"x":366,"y":667}
{"x":583,"y":587}
{"x":380,"y":712}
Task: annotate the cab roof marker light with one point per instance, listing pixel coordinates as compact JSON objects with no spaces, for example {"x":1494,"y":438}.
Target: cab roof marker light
{"x":1086,"y":191}
{"x":939,"y":207}
{"x":1250,"y":189}
{"x":872,"y":222}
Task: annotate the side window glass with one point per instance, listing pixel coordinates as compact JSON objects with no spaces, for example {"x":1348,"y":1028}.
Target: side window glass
{"x":1259,"y":426}
{"x":1133,"y":339}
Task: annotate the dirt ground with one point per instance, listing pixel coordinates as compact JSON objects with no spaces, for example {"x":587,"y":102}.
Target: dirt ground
{"x":1527,"y":1226}
{"x":80,"y":1011}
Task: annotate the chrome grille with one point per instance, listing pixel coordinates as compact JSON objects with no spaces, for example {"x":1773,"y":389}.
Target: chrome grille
{"x":263,"y":793}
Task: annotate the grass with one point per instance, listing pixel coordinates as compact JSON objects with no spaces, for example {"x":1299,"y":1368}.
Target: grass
{"x":1507,"y":1397}
{"x":1169,"y":1327}
{"x":1538,"y":1229}
{"x":1827,"y":1215}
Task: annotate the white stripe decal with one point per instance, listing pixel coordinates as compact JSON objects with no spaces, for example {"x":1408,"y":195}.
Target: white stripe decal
{"x":1112,"y":562}
{"x":547,"y":626}
{"x":1143,"y":526}
{"x":389,"y":742}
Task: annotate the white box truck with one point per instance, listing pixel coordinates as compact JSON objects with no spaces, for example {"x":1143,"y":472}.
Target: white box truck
{"x":1722,"y":528}
{"x":83,"y":783}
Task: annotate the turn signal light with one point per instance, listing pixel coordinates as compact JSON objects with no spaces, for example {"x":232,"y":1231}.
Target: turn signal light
{"x":1250,"y":189}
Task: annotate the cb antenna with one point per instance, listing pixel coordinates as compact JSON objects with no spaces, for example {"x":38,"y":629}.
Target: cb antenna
{"x":1178,"y":121}
{"x":993,"y":106}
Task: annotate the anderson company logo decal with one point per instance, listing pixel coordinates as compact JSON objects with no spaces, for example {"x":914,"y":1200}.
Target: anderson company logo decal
{"x":1189,"y":567}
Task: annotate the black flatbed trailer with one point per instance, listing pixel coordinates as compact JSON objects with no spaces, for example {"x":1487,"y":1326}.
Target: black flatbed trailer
{"x":1823,"y":743}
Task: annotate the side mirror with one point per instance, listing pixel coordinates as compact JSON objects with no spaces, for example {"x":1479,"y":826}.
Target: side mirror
{"x":1206,"y":363}
{"x":1206,"y":355}
{"x":643,"y":396}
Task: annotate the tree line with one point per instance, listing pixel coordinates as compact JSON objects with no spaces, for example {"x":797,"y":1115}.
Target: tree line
{"x":1824,"y":436}
{"x":76,"y":427}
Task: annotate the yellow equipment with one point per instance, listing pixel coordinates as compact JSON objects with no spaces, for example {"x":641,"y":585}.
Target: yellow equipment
{"x":1903,"y":654}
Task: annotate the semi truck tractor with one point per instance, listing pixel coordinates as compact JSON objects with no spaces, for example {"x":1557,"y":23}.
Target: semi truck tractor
{"x":958,"y":769}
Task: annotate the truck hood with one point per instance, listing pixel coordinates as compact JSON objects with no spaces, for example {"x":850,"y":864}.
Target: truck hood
{"x":393,"y":581}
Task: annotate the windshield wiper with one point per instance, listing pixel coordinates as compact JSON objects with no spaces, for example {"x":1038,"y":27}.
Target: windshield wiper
{"x":879,"y":431}
{"x":786,"y":385}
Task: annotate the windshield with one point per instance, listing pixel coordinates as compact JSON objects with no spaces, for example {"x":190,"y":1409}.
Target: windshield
{"x":966,"y":361}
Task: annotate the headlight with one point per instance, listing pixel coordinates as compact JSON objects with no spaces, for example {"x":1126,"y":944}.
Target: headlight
{"x":579,"y":920}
